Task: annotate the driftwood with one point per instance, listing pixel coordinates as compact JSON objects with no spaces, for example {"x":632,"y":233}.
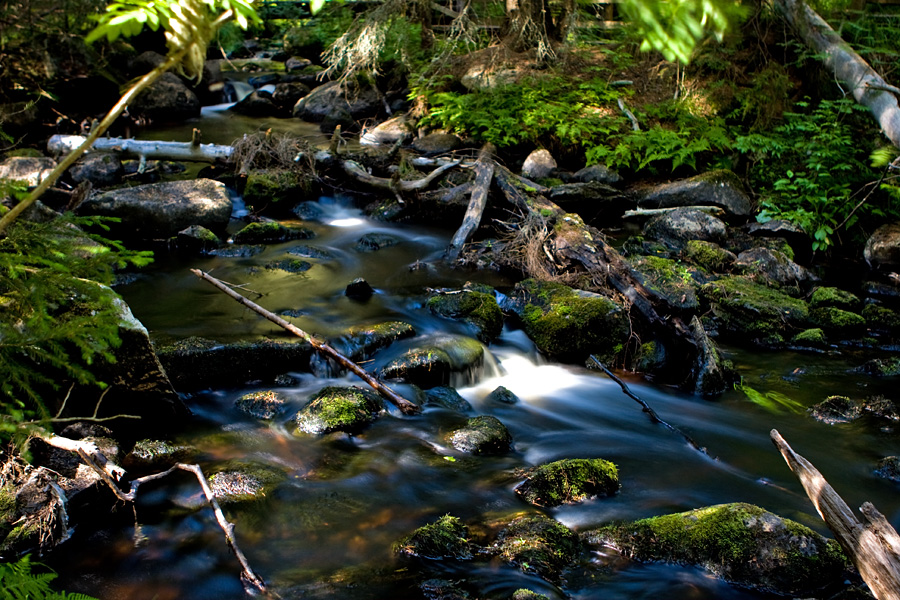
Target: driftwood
{"x":355,"y":170}
{"x":484,"y":172}
{"x":407,"y":407}
{"x":129,"y":147}
{"x":649,"y":212}
{"x":866,"y":85}
{"x":874,"y":547}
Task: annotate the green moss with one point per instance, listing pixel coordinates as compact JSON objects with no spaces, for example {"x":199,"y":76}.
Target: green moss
{"x":445,"y":538}
{"x":478,"y":308}
{"x":568,"y":481}
{"x":263,"y":187}
{"x":879,"y":317}
{"x":238,"y":482}
{"x":550,"y":181}
{"x":347,"y":409}
{"x":882,"y":367}
{"x":708,"y":255}
{"x":814,"y":338}
{"x":270,"y":232}
{"x":290,"y":265}
{"x":832,"y":296}
{"x":523,"y":594}
{"x":837,"y":321}
{"x":650,"y":357}
{"x":750,"y":309}
{"x":538,"y":544}
{"x":667,"y":279}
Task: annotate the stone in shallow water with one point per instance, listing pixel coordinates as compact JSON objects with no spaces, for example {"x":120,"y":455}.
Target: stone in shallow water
{"x":240,"y":482}
{"x":447,"y":397}
{"x":156,"y":455}
{"x":237,"y":251}
{"x":538,"y":544}
{"x":445,"y":538}
{"x":348,"y":409}
{"x":482,"y":435}
{"x":264,"y":404}
{"x":359,"y":289}
{"x":836,"y":409}
{"x":290,"y":265}
{"x":270,"y":232}
{"x":432,"y":362}
{"x":569,"y":481}
{"x":372,"y":242}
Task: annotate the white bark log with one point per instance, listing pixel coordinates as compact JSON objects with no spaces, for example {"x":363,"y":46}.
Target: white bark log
{"x":186,"y":151}
{"x":484,"y":172}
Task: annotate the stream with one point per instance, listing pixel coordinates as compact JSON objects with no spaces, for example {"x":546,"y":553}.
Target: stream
{"x":328,"y":530}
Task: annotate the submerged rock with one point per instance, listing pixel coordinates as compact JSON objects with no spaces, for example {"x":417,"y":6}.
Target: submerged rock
{"x":482,"y":435}
{"x":265,"y":404}
{"x":569,"y":481}
{"x":889,"y":468}
{"x":538,"y":545}
{"x":372,"y":242}
{"x":360,"y":342}
{"x":270,"y":232}
{"x":359,"y":289}
{"x":242,"y":482}
{"x":740,"y":543}
{"x":836,"y":409}
{"x":290,"y":265}
{"x":151,"y":455}
{"x":432,"y":362}
{"x":445,"y":538}
{"x":348,"y":409}
{"x":447,"y":397}
{"x":475,"y":307}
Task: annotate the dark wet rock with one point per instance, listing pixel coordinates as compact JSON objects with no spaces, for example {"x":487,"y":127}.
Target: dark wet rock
{"x":650,"y":357}
{"x":753,"y":311}
{"x":197,"y":238}
{"x":834,"y":297}
{"x":591,"y":199}
{"x":598,"y":173}
{"x":445,"y":538}
{"x":637,"y":245}
{"x":720,"y":188}
{"x":569,"y":481}
{"x":259,"y":81}
{"x":879,"y":318}
{"x":257,"y":104}
{"x":538,"y":545}
{"x":711,"y":372}
{"x":740,"y":543}
{"x":889,"y":468}
{"x":881,"y":408}
{"x":568,"y":324}
{"x":881,"y":367}
{"x":166,"y":100}
{"x":676,"y":228}
{"x":270,"y":232}
{"x":478,"y":308}
{"x":792,"y":239}
{"x":539,"y":164}
{"x":30,"y":170}
{"x":709,"y":256}
{"x":266,"y":186}
{"x":197,"y":363}
{"x":361,"y":342}
{"x":290,"y":265}
{"x":286,"y":95}
{"x":372,"y":242}
{"x":359,"y":102}
{"x":446,"y":397}
{"x":482,"y":435}
{"x":347,"y":409}
{"x":883,"y":247}
{"x":523,"y":594}
{"x":309,"y":211}
{"x":836,"y":409}
{"x":337,"y":117}
{"x":161,"y":210}
{"x":265,"y":404}
{"x":237,"y":251}
{"x":310,"y":252}
{"x":437,"y":143}
{"x":501,"y":395}
{"x":296,"y":63}
{"x":442,"y":589}
{"x":389,"y":132}
{"x":154,"y":456}
{"x":433,"y":360}
{"x":100,"y":169}
{"x":359,"y":289}
{"x":244,"y":482}
{"x":668,"y":280}
{"x":810,"y":338}
{"x":771,"y":267}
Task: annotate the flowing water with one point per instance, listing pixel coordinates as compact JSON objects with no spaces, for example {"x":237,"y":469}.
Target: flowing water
{"x":328,"y":530}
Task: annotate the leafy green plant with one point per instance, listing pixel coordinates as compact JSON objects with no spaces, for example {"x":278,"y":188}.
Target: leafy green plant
{"x":773,"y":402}
{"x":18,"y":581}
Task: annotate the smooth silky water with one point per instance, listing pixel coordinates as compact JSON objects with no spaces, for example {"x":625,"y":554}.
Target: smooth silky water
{"x":328,"y":530}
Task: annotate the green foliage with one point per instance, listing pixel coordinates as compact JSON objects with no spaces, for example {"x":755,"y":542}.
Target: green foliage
{"x":773,"y":402}
{"x":18,"y":582}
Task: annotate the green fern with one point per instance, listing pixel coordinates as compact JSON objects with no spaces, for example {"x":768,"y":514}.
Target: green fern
{"x":18,"y":582}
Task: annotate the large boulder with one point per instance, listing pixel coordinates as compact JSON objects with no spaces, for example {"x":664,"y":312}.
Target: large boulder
{"x":539,"y":164}
{"x":720,"y":188}
{"x":166,"y":100}
{"x":360,"y":102}
{"x":740,"y":543}
{"x":161,"y":210}
{"x":883,"y":247}
{"x":100,"y":169}
{"x":30,"y":170}
{"x":676,"y":228}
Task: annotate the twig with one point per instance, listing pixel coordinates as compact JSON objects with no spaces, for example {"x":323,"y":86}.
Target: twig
{"x":866,"y":197}
{"x":647,"y":409}
{"x":407,"y":407}
{"x":634,"y":122}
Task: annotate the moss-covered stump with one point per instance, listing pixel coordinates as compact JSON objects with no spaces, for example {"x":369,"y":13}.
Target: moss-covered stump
{"x":243,"y":482}
{"x":265,"y":187}
{"x":480,"y":309}
{"x":740,"y":543}
{"x":569,"y":481}
{"x":446,"y":397}
{"x":668,"y":280}
{"x":156,"y":455}
{"x":834,"y":297}
{"x":270,"y":232}
{"x":348,"y":409}
{"x":838,"y":322}
{"x":538,"y":545}
{"x":708,"y":256}
{"x":360,"y":342}
{"x":432,"y":362}
{"x":569,"y":325}
{"x":482,"y":435}
{"x":445,"y":538}
{"x":752,"y":311}
{"x":265,"y":404}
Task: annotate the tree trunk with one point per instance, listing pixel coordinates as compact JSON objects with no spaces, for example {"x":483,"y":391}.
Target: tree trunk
{"x":848,"y":67}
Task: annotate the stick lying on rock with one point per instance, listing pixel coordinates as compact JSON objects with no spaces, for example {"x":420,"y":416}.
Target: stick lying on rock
{"x":407,"y":407}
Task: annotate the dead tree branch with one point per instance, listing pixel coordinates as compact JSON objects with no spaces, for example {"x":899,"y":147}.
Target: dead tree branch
{"x":484,"y":172}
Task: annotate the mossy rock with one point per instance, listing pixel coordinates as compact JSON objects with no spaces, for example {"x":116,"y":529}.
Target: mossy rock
{"x":882,"y":367}
{"x":197,"y":238}
{"x":360,"y":342}
{"x":238,"y":251}
{"x":290,"y":265}
{"x":650,"y":357}
{"x":569,"y":481}
{"x":836,"y":409}
{"x":239,"y":482}
{"x":568,"y":325}
{"x":881,"y":318}
{"x":477,"y":308}
{"x":349,"y":409}
{"x":432,"y":362}
{"x":835,"y":297}
{"x":523,"y":594}
{"x":264,"y":187}
{"x":889,"y":468}
{"x":265,"y":404}
{"x":372,"y":242}
{"x":810,"y":338}
{"x":668,"y":280}
{"x":753,"y":311}
{"x":445,"y":538}
{"x":538,"y":545}
{"x":482,"y":435}
{"x":156,"y":455}
{"x":447,"y":397}
{"x":709,"y":256}
{"x":270,"y":232}
{"x":838,"y":322}
{"x":740,"y":543}
{"x":307,"y":251}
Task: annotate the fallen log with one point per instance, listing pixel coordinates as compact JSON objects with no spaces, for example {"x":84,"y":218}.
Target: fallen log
{"x":355,"y":170}
{"x":873,"y":546}
{"x":484,"y":172}
{"x":848,"y":67}
{"x":130,"y":147}
{"x":405,"y":406}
